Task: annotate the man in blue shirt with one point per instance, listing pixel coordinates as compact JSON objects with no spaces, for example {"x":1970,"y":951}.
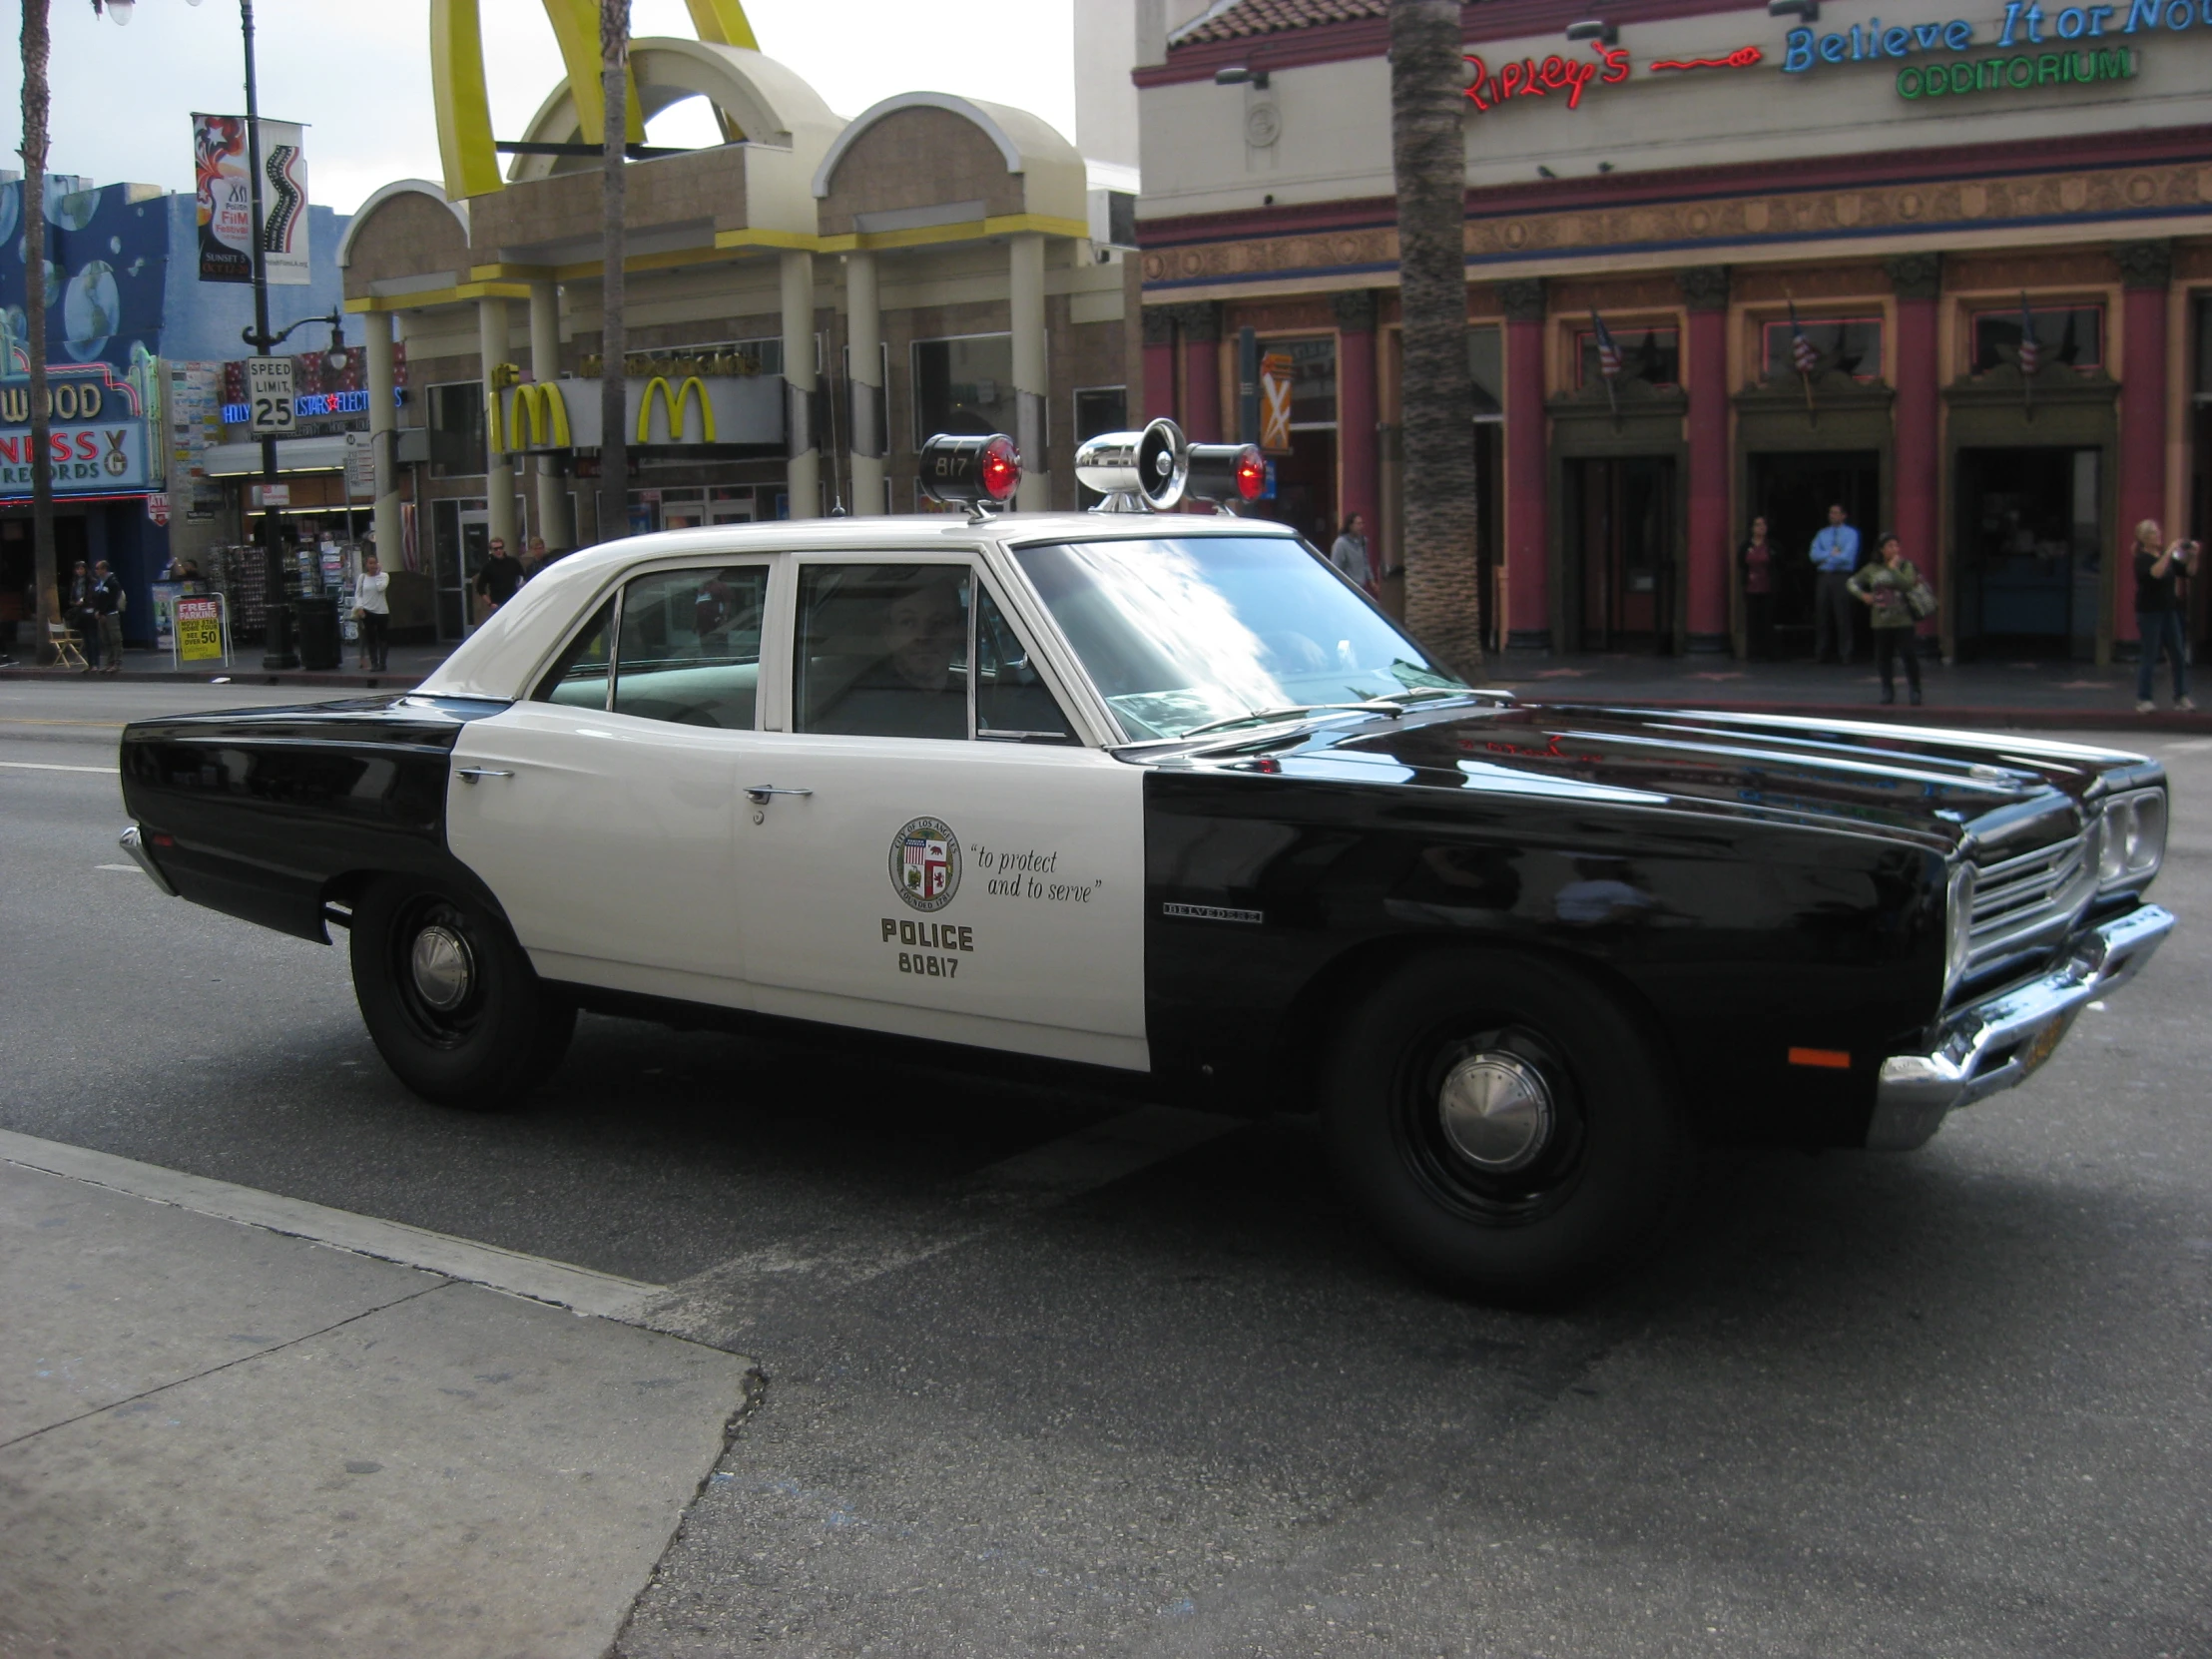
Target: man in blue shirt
{"x":1835,"y":557}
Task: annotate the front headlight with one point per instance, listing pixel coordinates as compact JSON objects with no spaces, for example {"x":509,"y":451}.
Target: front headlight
{"x":1957,"y":927}
{"x":2134,"y":840}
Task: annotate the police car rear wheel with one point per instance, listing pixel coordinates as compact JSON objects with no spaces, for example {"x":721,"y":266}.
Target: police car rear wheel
{"x":449,"y":997}
{"x":1505,"y":1126}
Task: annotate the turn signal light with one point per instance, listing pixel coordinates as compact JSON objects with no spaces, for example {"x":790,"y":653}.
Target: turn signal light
{"x":1225,"y":472}
{"x":971,"y":471}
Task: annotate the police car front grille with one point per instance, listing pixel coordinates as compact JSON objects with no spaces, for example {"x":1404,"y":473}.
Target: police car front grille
{"x":2027,"y":903}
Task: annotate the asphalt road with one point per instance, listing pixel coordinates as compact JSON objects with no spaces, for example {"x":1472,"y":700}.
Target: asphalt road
{"x":1951,"y":1403}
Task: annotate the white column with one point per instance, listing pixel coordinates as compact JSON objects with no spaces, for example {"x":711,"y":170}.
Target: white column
{"x":864,"y":329}
{"x":499,"y":476}
{"x":1025,"y":291}
{"x":545,"y":367}
{"x":383,"y":432}
{"x":803,"y":476}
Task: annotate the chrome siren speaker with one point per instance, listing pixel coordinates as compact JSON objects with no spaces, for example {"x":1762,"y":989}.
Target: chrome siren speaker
{"x":1135,"y":470}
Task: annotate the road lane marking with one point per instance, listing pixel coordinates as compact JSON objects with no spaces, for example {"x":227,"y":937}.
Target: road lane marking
{"x":583,"y":1290}
{"x":39,"y":719}
{"x":48,"y":765}
{"x":128,"y":870}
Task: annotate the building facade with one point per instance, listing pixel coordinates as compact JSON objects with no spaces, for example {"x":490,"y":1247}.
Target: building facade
{"x":1945,"y":271}
{"x":805,"y":302}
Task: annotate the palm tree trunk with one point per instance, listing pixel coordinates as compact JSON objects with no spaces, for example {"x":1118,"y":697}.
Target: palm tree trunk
{"x":1443,"y":589}
{"x":614,"y":411}
{"x":46,"y":566}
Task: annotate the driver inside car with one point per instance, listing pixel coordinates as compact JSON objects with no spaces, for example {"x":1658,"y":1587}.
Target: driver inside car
{"x":914,"y":687}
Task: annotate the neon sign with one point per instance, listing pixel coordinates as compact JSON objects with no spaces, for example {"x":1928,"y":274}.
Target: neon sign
{"x":1530,"y":79}
{"x":1742,"y":58}
{"x":2015,"y":74}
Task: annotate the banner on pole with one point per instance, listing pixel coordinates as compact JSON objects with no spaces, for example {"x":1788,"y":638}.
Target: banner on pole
{"x":226,"y":200}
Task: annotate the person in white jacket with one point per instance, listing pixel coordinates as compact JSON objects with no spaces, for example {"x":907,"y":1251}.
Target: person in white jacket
{"x":373,"y":611}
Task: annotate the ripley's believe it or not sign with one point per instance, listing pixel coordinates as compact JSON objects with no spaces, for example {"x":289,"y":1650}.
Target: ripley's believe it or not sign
{"x":2059,"y":46}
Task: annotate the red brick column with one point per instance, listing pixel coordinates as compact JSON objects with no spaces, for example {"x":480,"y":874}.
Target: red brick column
{"x":1159,"y":365}
{"x":1361,"y":486}
{"x":1916,"y":446}
{"x":1201,"y":326}
{"x":2146,"y":269}
{"x":1705,"y":289}
{"x":1528,"y":486}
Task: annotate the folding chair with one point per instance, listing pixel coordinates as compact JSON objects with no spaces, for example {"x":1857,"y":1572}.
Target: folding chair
{"x":68,"y":646}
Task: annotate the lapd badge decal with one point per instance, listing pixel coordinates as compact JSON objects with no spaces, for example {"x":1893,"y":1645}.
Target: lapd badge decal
{"x":925,"y":862}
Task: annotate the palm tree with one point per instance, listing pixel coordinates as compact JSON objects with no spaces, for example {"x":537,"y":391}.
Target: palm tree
{"x":46,"y":567}
{"x":1444,"y":587}
{"x":614,"y":410}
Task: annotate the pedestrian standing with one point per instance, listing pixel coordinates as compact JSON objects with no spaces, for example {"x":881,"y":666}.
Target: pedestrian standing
{"x":373,"y":608}
{"x":107,"y":615}
{"x":501,"y":575}
{"x":1887,"y":587}
{"x":2158,"y":614}
{"x":1835,"y":557}
{"x":1350,"y":553}
{"x":1756,"y":557}
{"x":535,"y":558}
{"x":76,"y":610}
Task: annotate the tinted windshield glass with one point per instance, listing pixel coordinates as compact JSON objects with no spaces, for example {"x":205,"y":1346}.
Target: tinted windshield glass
{"x":1181,"y":632}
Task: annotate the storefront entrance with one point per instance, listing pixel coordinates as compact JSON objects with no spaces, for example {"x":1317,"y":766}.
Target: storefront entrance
{"x":461,"y":538}
{"x":1793,"y":490}
{"x":2030,"y":553}
{"x":1620,"y":552}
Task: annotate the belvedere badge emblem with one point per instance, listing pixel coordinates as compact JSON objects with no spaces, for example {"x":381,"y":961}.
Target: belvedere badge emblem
{"x":925,"y":862}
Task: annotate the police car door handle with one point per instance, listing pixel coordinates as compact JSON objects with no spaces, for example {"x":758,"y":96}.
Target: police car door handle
{"x":758,"y":794}
{"x":475,"y":773}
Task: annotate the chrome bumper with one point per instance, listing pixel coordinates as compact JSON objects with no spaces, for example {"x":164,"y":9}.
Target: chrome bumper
{"x":1993,"y":1045}
{"x":134,"y":845}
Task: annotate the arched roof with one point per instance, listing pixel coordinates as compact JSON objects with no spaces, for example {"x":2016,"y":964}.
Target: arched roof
{"x":764,"y":102}
{"x":384,"y":193}
{"x":1022,"y":140}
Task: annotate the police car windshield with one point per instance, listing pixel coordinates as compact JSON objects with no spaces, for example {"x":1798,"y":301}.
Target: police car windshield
{"x":1180,"y":633}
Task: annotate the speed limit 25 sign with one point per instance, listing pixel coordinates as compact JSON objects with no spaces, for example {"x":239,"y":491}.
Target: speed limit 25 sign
{"x":268,"y":396}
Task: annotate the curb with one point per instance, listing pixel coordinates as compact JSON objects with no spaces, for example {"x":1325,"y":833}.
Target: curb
{"x":237,"y":677}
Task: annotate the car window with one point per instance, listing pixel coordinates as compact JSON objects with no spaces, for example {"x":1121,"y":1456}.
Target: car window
{"x":579,"y":678}
{"x":690,"y":646}
{"x":1012,"y":702}
{"x":882,"y":651}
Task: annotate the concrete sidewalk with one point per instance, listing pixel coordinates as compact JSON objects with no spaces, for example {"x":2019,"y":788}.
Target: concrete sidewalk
{"x":217,"y":1437}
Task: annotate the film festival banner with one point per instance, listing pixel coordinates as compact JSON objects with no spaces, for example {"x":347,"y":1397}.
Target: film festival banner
{"x":225,"y":206}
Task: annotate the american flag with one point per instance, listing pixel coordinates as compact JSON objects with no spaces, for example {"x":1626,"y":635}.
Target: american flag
{"x":1803,"y":354}
{"x":1608,"y":354}
{"x":2032,"y":350}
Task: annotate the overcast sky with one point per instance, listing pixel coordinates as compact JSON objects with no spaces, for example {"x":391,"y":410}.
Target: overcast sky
{"x":358,"y":71}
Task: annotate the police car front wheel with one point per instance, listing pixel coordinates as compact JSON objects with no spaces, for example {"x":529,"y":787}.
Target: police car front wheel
{"x":1505,"y":1126}
{"x":449,"y":998}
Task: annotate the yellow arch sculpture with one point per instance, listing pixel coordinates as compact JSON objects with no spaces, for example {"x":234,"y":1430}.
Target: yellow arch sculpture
{"x":463,"y":102}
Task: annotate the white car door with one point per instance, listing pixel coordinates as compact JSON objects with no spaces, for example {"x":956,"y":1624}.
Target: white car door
{"x":600,"y":811}
{"x":900,"y":875}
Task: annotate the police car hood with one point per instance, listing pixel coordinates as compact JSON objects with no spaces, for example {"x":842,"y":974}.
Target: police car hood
{"x":1926,"y":784}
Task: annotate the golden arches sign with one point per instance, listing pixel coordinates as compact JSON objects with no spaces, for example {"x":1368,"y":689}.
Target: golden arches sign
{"x":464,"y":104}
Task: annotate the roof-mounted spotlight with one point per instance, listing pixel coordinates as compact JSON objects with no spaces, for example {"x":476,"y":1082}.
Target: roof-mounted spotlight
{"x":1240,"y":75}
{"x":978,"y":473}
{"x":1592,"y":28}
{"x":1807,"y":11}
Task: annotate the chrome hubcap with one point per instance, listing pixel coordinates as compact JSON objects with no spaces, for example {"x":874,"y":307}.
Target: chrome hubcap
{"x":443,"y":968}
{"x":1497,"y":1111}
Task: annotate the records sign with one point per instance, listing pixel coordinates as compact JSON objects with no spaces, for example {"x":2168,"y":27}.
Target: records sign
{"x":220,"y":173}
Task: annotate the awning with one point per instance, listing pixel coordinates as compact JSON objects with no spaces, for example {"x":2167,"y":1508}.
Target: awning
{"x":244,"y":460}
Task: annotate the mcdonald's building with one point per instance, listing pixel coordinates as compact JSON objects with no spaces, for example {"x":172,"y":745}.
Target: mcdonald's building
{"x":1947,"y":270}
{"x":803,"y":300}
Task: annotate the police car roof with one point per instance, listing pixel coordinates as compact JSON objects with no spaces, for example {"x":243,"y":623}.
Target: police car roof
{"x":498,"y":660}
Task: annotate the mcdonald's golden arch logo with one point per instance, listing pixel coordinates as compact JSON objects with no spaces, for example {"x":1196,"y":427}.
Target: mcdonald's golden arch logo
{"x":537,"y":412}
{"x":676,"y":403}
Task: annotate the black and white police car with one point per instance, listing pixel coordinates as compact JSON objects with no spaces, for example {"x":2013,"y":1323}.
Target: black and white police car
{"x":1163,"y":794}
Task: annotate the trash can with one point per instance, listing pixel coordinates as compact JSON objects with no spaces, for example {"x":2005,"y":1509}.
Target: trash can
{"x":320,"y":648}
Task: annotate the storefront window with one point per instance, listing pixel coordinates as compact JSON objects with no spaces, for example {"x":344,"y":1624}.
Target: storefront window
{"x":1098,"y":410}
{"x":2073,"y":335}
{"x":1313,"y":381}
{"x":1486,"y":366}
{"x":966,"y":384}
{"x":1653,"y":356}
{"x":1843,"y":345}
{"x":457,"y":412}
